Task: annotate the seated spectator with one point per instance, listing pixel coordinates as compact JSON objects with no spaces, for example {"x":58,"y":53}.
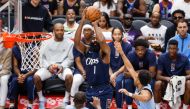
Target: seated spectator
{"x":56,"y":59}
{"x":172,"y":31}
{"x":5,"y":72}
{"x":135,"y":7}
{"x":182,"y":5}
{"x":80,"y":100}
{"x":51,"y":5}
{"x":20,"y":78}
{"x":154,"y":32}
{"x":130,"y":32}
{"x":79,"y":72}
{"x":70,"y":26}
{"x":116,"y":64}
{"x":64,"y":5}
{"x":164,"y":8}
{"x":143,"y":58}
{"x":107,"y":6}
{"x":104,"y":23}
{"x":183,"y":38}
{"x":169,"y":64}
{"x":143,"y":96}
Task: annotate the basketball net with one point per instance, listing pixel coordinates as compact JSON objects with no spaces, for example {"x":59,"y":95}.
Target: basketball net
{"x":29,"y":44}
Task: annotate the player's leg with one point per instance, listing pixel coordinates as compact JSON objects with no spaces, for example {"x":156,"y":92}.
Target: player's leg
{"x":118,"y":86}
{"x":186,"y":95}
{"x":67,"y":76}
{"x":3,"y":90}
{"x":77,"y":81}
{"x":106,"y":96}
{"x":41,"y":75}
{"x":158,"y":92}
{"x":13,"y":90}
{"x":129,"y":85}
{"x":29,"y":85}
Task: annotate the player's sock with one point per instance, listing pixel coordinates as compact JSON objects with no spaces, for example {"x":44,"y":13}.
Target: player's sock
{"x":11,"y":105}
{"x":185,"y":106}
{"x":129,"y":106}
{"x":157,"y":105}
{"x":40,"y":95}
{"x":71,"y":99}
{"x":66,"y":98}
{"x":29,"y":105}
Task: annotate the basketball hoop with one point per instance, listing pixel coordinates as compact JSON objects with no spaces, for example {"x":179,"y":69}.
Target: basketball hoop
{"x":29,"y":44}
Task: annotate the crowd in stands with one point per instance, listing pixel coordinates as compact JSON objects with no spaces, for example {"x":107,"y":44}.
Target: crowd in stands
{"x":139,"y":60}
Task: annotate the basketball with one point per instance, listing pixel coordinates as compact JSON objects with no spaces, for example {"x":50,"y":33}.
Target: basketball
{"x":92,"y":13}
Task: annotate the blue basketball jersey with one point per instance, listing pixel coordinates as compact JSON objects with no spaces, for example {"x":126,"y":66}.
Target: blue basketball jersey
{"x":146,"y":105}
{"x":97,"y":72}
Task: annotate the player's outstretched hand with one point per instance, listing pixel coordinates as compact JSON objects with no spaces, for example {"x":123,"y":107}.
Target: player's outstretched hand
{"x":124,"y":91}
{"x":96,"y":103}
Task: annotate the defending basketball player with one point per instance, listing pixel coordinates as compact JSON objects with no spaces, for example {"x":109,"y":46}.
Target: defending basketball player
{"x":143,"y":95}
{"x":97,"y":59}
{"x":56,"y":58}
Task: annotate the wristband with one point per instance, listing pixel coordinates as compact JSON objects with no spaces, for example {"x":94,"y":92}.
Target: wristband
{"x":130,"y":94}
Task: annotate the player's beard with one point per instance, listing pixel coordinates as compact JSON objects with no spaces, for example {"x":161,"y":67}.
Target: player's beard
{"x":95,"y":46}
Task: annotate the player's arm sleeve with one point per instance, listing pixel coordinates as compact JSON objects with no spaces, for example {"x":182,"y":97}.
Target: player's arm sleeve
{"x":7,"y":64}
{"x":68,"y":62}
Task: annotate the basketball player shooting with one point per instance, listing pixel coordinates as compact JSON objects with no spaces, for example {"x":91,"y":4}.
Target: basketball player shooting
{"x":97,"y":59}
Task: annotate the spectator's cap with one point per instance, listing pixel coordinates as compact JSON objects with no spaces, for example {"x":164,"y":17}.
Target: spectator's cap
{"x":88,"y":26}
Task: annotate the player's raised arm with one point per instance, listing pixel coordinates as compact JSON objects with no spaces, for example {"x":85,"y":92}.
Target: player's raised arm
{"x":103,"y":46}
{"x":77,"y":40}
{"x":127,"y":63}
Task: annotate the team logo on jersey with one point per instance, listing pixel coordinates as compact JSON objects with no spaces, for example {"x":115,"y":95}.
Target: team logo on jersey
{"x":90,"y":61}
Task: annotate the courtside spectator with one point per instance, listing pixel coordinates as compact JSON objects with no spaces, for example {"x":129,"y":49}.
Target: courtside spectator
{"x":169,"y":64}
{"x":64,"y":5}
{"x":56,"y":59}
{"x":154,"y":32}
{"x":135,"y":7}
{"x":107,"y":6}
{"x":35,"y":17}
{"x":116,"y":66}
{"x":143,"y":58}
{"x":19,"y":79}
{"x":70,"y":26}
{"x":164,"y":8}
{"x":130,"y":32}
{"x":104,"y":23}
{"x":172,"y":31}
{"x":183,"y":38}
